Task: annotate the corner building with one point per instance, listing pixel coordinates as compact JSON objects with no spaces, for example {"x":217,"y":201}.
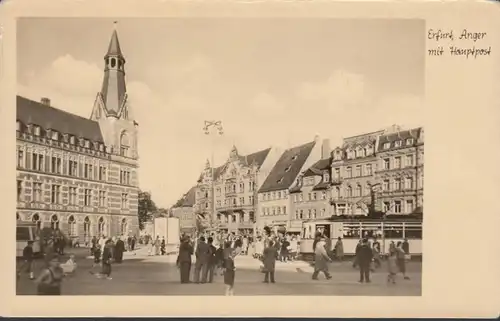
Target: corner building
{"x":75,"y":174}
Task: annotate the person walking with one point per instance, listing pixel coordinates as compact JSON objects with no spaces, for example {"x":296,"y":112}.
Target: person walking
{"x":339,"y":249}
{"x":285,"y":249}
{"x":321,"y":260}
{"x":28,"y":261}
{"x":107,"y":255}
{"x":401,"y":260}
{"x":355,"y":262}
{"x":269,"y":259}
{"x":364,"y":258}
{"x":202,"y":256}
{"x":229,"y":268}
{"x":392,"y":266}
{"x":163,"y":246}
{"x":184,"y":259}
{"x":50,"y":279}
{"x":119,"y":249}
{"x":376,"y":253}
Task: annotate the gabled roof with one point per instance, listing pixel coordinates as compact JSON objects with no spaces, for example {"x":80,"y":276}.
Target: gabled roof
{"x":47,"y":117}
{"x":318,"y":168}
{"x":284,"y":172}
{"x":403,"y":135}
{"x":188,"y":199}
{"x":256,"y":159}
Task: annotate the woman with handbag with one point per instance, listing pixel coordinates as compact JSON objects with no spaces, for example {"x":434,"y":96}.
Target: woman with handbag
{"x":50,"y":280}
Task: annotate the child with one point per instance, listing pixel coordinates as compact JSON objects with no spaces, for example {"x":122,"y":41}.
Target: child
{"x":392,"y":266}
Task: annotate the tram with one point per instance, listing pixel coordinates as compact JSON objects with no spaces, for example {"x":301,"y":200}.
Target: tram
{"x":352,"y":228}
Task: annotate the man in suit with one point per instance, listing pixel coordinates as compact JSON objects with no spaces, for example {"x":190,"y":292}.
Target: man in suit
{"x":184,"y":259}
{"x":269,"y":259}
{"x":202,"y":257}
{"x":364,"y":257}
{"x":208,"y":272}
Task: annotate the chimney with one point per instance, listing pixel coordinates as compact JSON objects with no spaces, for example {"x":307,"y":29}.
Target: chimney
{"x":325,"y":149}
{"x":45,"y":101}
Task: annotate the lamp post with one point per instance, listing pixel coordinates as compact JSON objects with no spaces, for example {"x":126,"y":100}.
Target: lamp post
{"x":214,"y":128}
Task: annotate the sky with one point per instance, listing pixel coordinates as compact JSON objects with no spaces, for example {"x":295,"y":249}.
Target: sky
{"x":272,"y":82}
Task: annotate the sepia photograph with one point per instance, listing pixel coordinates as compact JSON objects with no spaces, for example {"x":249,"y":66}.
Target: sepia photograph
{"x":220,"y":156}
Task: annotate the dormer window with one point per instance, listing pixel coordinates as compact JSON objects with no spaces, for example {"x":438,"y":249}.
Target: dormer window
{"x":326,"y":177}
{"x":398,"y":143}
{"x":81,"y":141}
{"x":101,"y":147}
{"x":37,"y":130}
{"x":95,"y":145}
{"x":72,"y":140}
{"x":280,"y":180}
{"x":55,"y":135}
{"x":409,"y":141}
{"x":288,"y":169}
{"x":87,"y":143}
{"x":294,"y":158}
{"x":65,"y":138}
{"x":387,"y":145}
{"x":338,"y":155}
{"x":361,"y":152}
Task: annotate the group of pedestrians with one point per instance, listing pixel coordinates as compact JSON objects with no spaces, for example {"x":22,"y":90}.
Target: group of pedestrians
{"x":105,"y":252}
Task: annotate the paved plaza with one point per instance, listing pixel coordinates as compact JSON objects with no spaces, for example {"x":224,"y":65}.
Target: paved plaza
{"x":158,"y":275}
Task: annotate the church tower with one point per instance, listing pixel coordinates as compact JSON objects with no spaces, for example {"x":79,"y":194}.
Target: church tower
{"x":111,"y":107}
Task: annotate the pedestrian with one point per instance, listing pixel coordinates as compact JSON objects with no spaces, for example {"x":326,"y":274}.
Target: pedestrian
{"x":376,"y":253}
{"x":208,"y":272}
{"x":107,"y":255}
{"x":358,"y":246}
{"x":392,"y":266}
{"x":229,"y":268}
{"x":285,"y":249}
{"x":269,"y":260}
{"x":157,"y":245}
{"x":321,"y":259}
{"x":406,"y":248}
{"x":219,"y":259}
{"x":50,"y":279}
{"x":119,"y":249}
{"x":401,"y":261}
{"x":28,"y":261}
{"x":163,"y":246}
{"x":97,"y":255}
{"x":93,"y":243}
{"x":134,"y":241}
{"x":184,"y":259}
{"x":364,"y":258}
{"x":339,"y":249}
{"x":102,"y":243}
{"x":202,"y":255}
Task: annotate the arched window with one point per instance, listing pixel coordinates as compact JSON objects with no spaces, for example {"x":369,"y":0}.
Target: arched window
{"x":124,"y":144}
{"x":100,"y":226}
{"x":36,"y":219}
{"x":86,"y":229}
{"x":54,"y":222}
{"x":358,"y":190}
{"x":113,"y":62}
{"x":71,"y":226}
{"x":349,"y":191}
{"x":123,"y":227}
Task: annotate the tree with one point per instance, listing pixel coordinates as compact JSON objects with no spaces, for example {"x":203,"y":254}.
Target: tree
{"x":146,"y":208}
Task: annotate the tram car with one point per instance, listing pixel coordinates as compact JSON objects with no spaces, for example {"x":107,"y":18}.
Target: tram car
{"x":353,"y":228}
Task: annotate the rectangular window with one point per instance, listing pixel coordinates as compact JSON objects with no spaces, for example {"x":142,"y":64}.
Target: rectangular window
{"x":349,"y":172}
{"x":397,"y":162}
{"x":387,"y":163}
{"x":37,"y":163}
{"x":37,"y":192}
{"x":409,"y":206}
{"x":102,"y":198}
{"x":242,"y":200}
{"x":385,"y":185}
{"x":323,"y":195}
{"x":102,"y":173}
{"x":19,"y":190}
{"x":88,"y":197}
{"x":278,"y":210}
{"x":124,"y":177}
{"x":358,"y":171}
{"x":368,"y":169}
{"x":397,"y":184}
{"x":314,"y":196}
{"x":250,"y":200}
{"x":387,"y":145}
{"x":55,"y":194}
{"x":397,"y":206}
{"x":284,"y":210}
{"x":20,"y":159}
{"x":386,"y":207}
{"x":73,"y":168}
{"x":408,"y":183}
{"x":410,"y":160}
{"x":72,"y":196}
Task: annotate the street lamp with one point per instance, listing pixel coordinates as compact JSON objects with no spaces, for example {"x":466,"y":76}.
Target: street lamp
{"x":214,"y":128}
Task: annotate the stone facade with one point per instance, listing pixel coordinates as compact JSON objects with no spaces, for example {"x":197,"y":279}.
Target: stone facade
{"x":75,"y":174}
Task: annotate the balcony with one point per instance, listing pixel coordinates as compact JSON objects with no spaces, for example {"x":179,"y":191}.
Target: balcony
{"x":235,"y":207}
{"x":337,"y":180}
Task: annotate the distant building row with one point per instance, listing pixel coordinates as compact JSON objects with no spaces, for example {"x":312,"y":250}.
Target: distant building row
{"x":309,"y":182}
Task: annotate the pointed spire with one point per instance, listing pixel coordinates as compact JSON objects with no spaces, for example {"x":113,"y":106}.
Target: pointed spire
{"x":114,"y":44}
